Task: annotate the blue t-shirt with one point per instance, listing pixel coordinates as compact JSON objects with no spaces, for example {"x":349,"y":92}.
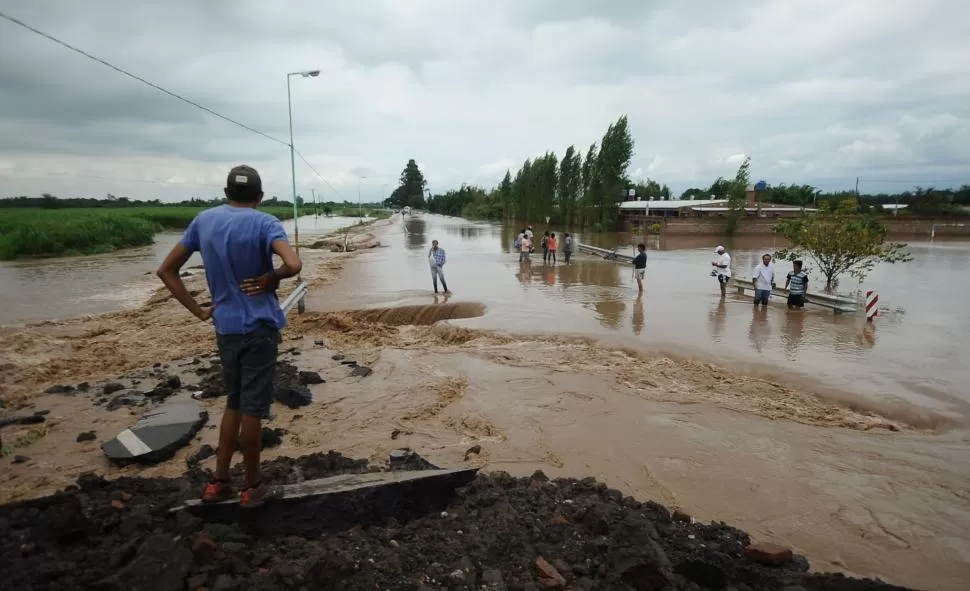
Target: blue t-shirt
{"x":236,"y":244}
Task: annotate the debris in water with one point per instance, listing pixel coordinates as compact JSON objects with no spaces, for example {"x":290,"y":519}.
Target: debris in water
{"x":158,"y":434}
{"x":361,"y":371}
{"x":308,"y":378}
{"x":87,"y":436}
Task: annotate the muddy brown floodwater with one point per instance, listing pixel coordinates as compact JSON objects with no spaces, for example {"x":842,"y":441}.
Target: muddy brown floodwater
{"x":803,"y":430}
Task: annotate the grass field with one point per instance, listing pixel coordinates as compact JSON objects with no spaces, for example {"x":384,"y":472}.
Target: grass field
{"x":35,"y":233}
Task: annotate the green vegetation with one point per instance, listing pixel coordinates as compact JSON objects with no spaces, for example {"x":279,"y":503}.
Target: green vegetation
{"x":71,"y":231}
{"x":736,"y":198}
{"x":410,"y":191}
{"x":840,"y":241}
{"x":576,"y":190}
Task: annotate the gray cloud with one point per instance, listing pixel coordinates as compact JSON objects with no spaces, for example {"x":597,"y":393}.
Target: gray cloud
{"x":817,"y":92}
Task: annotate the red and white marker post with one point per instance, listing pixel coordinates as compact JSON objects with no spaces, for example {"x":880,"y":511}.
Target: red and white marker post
{"x":872,"y":299}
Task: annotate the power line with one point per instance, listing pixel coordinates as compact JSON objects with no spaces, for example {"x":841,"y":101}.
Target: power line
{"x":138,"y":78}
{"x":320,"y":176}
{"x":19,"y":22}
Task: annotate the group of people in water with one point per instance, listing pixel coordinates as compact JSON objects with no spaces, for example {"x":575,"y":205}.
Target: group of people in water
{"x":763,"y":277}
{"x":525,"y":246}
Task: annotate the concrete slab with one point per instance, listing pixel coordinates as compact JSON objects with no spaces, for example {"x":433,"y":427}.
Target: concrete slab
{"x":343,"y":501}
{"x":158,"y":434}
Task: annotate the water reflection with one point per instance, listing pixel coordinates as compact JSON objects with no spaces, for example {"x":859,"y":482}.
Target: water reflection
{"x":415,"y":238}
{"x":759,"y":331}
{"x":794,"y":333}
{"x":717,"y":318}
{"x":638,"y":315}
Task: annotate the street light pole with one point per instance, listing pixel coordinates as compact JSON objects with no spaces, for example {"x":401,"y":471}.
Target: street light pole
{"x":289,"y":105}
{"x":360,"y":212}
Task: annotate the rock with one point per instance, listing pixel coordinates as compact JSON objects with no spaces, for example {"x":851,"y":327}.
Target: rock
{"x":60,"y":389}
{"x":87,"y":436}
{"x":347,"y":362}
{"x":475,"y":449}
{"x":769,"y":553}
{"x":126,"y":496}
{"x":112,"y":387}
{"x":224,"y":583}
{"x":160,"y":393}
{"x":680,"y":516}
{"x":160,"y":564}
{"x":205,"y":452}
{"x":234,"y":547}
{"x":196,"y":582}
{"x":293,"y":396}
{"x":397,"y":433}
{"x":186,"y":523}
{"x":42,"y":413}
{"x":549,"y":577}
{"x":308,"y":378}
{"x":338,"y":357}
{"x":558,"y":519}
{"x":173,"y":382}
{"x":361,"y":371}
{"x":118,"y":505}
{"x":28,"y":549}
{"x":83,"y":387}
{"x":203,"y":545}
{"x":131,"y":398}
{"x":271,"y":437}
{"x":20,"y":459}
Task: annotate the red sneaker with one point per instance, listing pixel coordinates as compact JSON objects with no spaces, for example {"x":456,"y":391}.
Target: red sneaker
{"x":253,"y":497}
{"x":216,"y":491}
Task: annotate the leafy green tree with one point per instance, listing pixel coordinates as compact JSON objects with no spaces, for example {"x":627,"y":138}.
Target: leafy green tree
{"x":840,"y":242}
{"x":694,"y":194}
{"x":616,"y":151}
{"x":410,"y":190}
{"x":590,"y":184}
{"x":570,"y":182}
{"x":736,"y":197}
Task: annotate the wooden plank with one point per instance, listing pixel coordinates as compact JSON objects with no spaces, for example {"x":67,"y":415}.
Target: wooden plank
{"x":339,"y":502}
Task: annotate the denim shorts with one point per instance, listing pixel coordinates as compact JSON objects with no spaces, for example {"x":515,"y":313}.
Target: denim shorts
{"x":761,"y":296}
{"x":249,"y":369}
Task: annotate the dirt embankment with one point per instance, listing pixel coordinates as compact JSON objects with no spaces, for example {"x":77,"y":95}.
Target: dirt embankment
{"x":498,"y":533}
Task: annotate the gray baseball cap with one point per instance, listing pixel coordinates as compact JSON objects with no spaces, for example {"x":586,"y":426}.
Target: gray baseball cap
{"x":245,"y":176}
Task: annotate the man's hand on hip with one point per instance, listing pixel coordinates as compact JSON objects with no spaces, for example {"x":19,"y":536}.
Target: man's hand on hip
{"x":265,"y":283}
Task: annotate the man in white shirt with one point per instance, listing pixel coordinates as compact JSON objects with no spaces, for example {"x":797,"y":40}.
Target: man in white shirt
{"x":764,"y":280}
{"x":722,"y":264}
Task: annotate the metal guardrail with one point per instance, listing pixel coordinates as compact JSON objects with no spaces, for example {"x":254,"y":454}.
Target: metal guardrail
{"x":838,"y":304}
{"x":610,"y":255}
{"x":297,"y":298}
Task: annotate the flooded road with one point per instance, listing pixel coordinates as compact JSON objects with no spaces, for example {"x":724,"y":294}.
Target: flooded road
{"x":911,"y":356}
{"x":48,"y":289}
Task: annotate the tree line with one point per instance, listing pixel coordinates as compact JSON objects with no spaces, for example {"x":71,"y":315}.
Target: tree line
{"x":48,"y":201}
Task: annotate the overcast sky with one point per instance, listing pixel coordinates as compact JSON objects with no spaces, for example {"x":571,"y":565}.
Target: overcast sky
{"x":815,"y":91}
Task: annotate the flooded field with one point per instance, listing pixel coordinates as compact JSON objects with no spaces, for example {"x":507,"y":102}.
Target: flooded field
{"x":911,"y":356}
{"x":66,"y":287}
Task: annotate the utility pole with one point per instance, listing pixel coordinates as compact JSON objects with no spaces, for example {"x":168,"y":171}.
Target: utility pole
{"x":857,"y":187}
{"x":315,"y":212}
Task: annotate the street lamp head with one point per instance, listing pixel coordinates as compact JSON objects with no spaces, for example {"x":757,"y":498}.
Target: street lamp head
{"x":313,"y":73}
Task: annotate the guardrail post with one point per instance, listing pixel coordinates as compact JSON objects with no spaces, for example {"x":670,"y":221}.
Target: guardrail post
{"x":872,"y":299}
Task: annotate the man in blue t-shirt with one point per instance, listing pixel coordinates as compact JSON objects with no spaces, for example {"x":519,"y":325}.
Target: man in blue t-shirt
{"x":237,"y":244}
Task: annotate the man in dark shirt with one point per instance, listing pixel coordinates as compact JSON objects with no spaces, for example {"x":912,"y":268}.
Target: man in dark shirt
{"x":640,"y":265}
{"x":237,"y":244}
{"x":798,"y":280}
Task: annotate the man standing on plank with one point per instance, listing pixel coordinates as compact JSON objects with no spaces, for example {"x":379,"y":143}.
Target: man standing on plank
{"x":437,"y":258}
{"x":237,"y":244}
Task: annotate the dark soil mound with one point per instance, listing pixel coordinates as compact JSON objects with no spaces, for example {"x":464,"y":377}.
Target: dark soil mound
{"x":498,"y":532}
